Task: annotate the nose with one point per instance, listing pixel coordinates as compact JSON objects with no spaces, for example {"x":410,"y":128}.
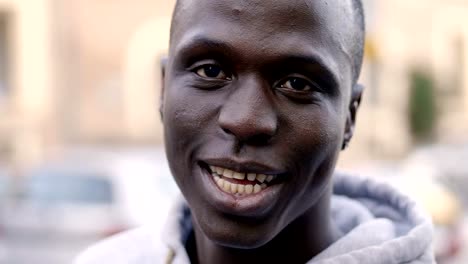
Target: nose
{"x":248,"y":113}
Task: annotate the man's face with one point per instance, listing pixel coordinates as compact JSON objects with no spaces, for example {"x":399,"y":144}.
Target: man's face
{"x":255,"y":104}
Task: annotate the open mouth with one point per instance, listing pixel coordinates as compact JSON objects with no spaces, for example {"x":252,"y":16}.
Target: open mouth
{"x":240,"y":183}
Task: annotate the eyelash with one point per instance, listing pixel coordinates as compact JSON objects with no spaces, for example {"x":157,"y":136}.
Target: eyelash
{"x":310,"y":85}
{"x":199,"y":71}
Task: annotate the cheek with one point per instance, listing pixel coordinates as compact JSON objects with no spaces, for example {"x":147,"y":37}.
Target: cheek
{"x":315,"y":145}
{"x":318,"y":152}
{"x":187,"y":113}
{"x":187,"y":118}
{"x":314,"y":133}
{"x":314,"y":142}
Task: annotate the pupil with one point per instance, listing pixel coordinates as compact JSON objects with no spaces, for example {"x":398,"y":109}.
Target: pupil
{"x":298,"y":84}
{"x":212,"y":71}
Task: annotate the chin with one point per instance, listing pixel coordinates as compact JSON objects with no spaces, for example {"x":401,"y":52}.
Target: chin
{"x":240,"y":240}
{"x":234,"y":234}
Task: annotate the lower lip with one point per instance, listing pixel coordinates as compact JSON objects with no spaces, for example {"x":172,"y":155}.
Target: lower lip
{"x":251,"y":205}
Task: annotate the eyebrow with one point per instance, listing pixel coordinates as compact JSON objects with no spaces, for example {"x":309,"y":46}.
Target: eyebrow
{"x":187,"y":49}
{"x":201,"y":42}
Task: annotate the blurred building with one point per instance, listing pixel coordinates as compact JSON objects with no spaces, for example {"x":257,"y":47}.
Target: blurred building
{"x":79,"y":72}
{"x":87,"y":72}
{"x":429,"y":36}
{"x":27,"y":78}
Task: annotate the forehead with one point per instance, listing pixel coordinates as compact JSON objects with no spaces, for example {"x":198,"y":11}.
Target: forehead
{"x":270,"y":27}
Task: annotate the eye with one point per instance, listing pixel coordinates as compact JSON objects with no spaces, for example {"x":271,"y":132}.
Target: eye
{"x":211,"y":71}
{"x":297,"y":83}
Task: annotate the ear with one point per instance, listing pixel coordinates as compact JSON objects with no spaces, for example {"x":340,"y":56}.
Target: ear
{"x":163,"y":64}
{"x":355,"y":102}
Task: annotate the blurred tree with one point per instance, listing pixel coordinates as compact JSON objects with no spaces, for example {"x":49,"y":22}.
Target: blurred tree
{"x":422,"y":106}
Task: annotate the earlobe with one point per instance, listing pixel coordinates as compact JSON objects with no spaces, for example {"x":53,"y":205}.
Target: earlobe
{"x":163,"y":65}
{"x":355,"y":102}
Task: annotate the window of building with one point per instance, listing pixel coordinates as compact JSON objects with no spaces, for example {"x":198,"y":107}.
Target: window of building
{"x":459,"y":63}
{"x":4,"y":56}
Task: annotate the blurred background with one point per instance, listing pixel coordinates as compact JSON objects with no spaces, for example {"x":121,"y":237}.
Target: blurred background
{"x":81,"y":153}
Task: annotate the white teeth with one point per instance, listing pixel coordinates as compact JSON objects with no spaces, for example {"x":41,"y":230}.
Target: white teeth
{"x":227,"y":186}
{"x":257,"y":188}
{"x":248,"y":189}
{"x":261,"y":177}
{"x":240,"y":188}
{"x":239,"y":176}
{"x":219,"y":182}
{"x":228,"y":173}
{"x":260,"y":181}
{"x":251,"y":176}
{"x":234,"y":187}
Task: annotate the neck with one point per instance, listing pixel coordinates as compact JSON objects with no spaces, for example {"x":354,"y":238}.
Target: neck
{"x":300,"y":241}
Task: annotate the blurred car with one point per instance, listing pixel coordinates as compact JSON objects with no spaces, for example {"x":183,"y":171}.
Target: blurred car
{"x":145,"y":188}
{"x":5,"y":190}
{"x":5,"y":181}
{"x":59,"y":212}
{"x":84,"y":195}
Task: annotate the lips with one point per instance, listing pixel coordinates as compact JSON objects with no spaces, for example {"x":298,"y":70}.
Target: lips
{"x":243,"y":192}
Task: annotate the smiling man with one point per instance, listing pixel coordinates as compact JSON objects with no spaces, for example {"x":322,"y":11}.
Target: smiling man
{"x":259,"y":99}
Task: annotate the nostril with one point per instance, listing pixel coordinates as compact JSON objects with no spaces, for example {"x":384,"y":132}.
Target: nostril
{"x":249,"y":137}
{"x":258,"y":140}
{"x":251,"y":131}
{"x":227,"y":131}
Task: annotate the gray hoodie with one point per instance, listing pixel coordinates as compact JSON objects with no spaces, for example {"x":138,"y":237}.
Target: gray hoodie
{"x":381,"y":226}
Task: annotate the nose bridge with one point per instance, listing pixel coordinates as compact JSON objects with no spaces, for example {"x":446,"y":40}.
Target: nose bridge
{"x":248,"y":111}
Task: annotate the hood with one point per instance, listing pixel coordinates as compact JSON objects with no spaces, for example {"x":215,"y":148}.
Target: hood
{"x":380,"y":226}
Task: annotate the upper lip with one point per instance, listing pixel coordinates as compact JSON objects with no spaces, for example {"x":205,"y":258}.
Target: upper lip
{"x":243,"y":166}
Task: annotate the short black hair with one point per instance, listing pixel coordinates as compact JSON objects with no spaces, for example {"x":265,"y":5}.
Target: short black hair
{"x":358,"y":49}
{"x":359,"y":14}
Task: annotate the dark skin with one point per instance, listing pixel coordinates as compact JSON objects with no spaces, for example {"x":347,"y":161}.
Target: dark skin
{"x":264,"y":87}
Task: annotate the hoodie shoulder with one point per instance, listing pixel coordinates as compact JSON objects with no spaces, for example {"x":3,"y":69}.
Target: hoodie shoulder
{"x":140,"y":245}
{"x":380,"y":225}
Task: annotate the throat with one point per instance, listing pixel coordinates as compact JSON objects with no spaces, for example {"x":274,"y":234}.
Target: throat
{"x":301,"y":243}
{"x":191,"y":248}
